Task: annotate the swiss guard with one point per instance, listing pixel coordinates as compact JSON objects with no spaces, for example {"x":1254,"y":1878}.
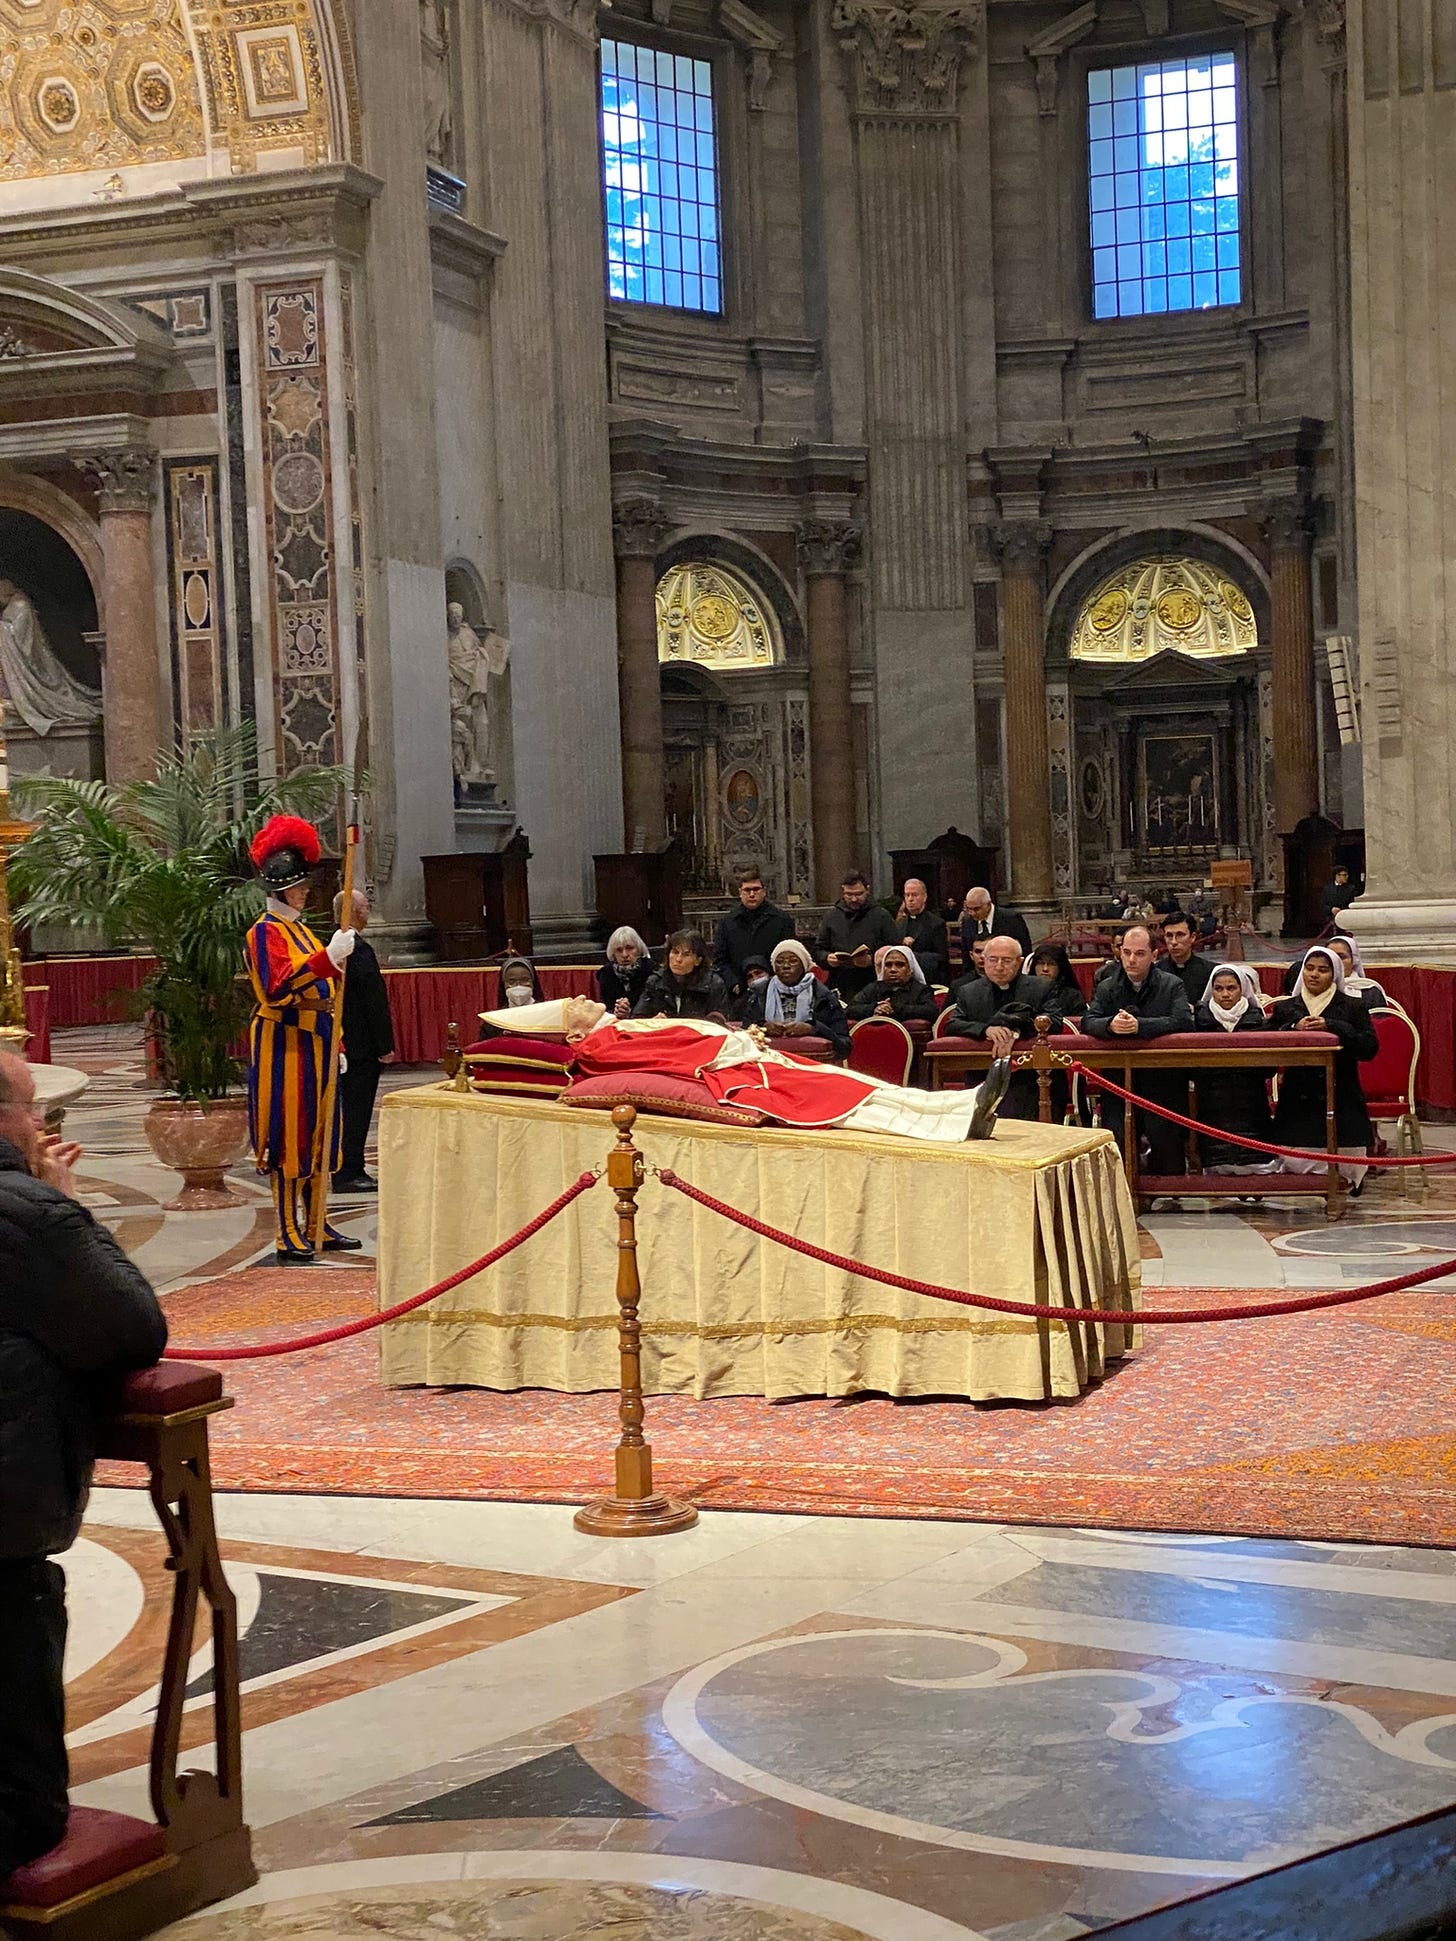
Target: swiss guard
{"x":293,"y":977}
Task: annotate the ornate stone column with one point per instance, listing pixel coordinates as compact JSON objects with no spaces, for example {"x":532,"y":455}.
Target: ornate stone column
{"x":1023,"y":548}
{"x":827,"y":550}
{"x":1402,"y":115}
{"x":131,"y":678}
{"x":904,"y":68}
{"x":638,"y":526}
{"x":1296,"y":751}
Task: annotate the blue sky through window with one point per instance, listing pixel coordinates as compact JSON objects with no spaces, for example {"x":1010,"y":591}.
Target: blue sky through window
{"x":660,"y":170}
{"x":1163,"y":173}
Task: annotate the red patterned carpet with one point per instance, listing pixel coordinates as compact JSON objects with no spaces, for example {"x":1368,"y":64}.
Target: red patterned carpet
{"x":1339,"y":1426}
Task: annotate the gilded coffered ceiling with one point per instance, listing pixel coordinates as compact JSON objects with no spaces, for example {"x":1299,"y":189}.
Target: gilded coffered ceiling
{"x":96,"y":85}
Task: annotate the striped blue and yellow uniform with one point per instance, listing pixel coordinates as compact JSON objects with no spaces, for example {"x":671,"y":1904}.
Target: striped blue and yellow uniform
{"x":293,"y":980}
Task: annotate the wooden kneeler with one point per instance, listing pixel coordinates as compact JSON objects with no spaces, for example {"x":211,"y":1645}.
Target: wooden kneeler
{"x":113,"y":1877}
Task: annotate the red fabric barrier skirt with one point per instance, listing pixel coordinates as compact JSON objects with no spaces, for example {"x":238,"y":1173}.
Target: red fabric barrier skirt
{"x":423,"y":1002}
{"x":88,"y":990}
{"x":38,"y":1022}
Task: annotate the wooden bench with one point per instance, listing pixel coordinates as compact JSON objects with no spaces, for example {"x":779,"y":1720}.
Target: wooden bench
{"x":114,"y":1877}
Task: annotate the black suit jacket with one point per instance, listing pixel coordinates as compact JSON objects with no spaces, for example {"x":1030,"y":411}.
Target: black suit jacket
{"x":979,"y":1004}
{"x":368,"y":1027}
{"x":1004,"y":922}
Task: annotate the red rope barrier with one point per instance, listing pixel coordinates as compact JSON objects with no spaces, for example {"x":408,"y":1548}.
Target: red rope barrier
{"x":1105,"y":1084}
{"x":1127,"y":1317}
{"x":341,"y":1333}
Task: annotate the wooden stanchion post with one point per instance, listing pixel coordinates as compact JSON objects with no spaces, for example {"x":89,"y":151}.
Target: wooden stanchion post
{"x":636,"y":1510}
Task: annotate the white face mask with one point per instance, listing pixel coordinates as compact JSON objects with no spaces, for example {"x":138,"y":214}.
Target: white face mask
{"x":520,"y":994}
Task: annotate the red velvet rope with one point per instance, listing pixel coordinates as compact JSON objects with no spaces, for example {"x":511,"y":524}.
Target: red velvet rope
{"x":1105,"y":1084}
{"x":341,"y":1333}
{"x":1127,"y":1317}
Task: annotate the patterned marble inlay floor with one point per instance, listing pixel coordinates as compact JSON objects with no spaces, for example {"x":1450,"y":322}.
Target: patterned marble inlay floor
{"x":467,"y":1718}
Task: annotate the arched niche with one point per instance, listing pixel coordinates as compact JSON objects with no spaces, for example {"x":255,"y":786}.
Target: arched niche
{"x":1160,"y":603}
{"x":43,"y":564}
{"x":1079,"y":584}
{"x":58,"y":512}
{"x":465,"y":587}
{"x":753,"y":567}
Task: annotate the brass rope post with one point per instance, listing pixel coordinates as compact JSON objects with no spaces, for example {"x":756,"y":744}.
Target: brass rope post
{"x":636,"y":1510}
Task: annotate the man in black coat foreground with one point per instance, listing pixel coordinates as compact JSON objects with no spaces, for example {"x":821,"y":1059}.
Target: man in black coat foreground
{"x":1137,"y":1000}
{"x":1001,"y":1007}
{"x":368,"y":1044}
{"x":755,"y":929}
{"x":75,"y":1315}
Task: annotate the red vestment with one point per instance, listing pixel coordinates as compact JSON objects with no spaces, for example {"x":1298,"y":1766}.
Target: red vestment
{"x":798,"y":1092}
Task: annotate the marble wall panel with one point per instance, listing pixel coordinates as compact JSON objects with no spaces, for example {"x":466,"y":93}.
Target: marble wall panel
{"x":196,"y":596}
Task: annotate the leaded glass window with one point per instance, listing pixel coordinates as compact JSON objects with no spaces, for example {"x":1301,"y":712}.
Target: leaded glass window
{"x":660,"y":169}
{"x":1163,"y":170}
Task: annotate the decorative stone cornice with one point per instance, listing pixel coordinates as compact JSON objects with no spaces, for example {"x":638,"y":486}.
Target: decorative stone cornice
{"x":1047,"y":49}
{"x":125,"y":476}
{"x":906,"y":59}
{"x":828,"y":547}
{"x":1022,"y":545}
{"x":1328,"y":17}
{"x":577,"y":17}
{"x":638,"y":528}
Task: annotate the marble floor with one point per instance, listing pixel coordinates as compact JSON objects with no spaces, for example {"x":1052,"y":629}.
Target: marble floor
{"x":467,"y":1719}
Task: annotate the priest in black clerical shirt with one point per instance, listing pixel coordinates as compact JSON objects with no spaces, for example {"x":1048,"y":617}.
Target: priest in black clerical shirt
{"x":1180,"y":958}
{"x":1001,"y":1007}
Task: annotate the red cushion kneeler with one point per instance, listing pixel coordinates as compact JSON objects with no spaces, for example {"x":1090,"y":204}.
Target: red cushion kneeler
{"x":515,"y":1048}
{"x":167,"y":1389}
{"x":96,"y":1846}
{"x":515,"y":1064}
{"x":679,"y":1098}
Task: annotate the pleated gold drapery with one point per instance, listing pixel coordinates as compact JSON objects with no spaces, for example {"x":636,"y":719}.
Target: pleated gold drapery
{"x":1036,"y":1214}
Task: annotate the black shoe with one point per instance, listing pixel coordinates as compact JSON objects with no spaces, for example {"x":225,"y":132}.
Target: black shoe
{"x":354,"y":1183}
{"x":988,"y":1103}
{"x":288,"y":1257}
{"x":342,"y":1243}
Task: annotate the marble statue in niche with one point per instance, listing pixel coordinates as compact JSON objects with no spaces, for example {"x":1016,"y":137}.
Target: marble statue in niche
{"x":439,"y":92}
{"x":476,"y":663}
{"x":40,"y":689}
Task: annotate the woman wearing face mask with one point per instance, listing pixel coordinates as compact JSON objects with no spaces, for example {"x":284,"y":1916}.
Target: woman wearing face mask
{"x":519,"y":985}
{"x":794,"y":1004}
{"x":899,"y":990}
{"x":1238,"y":1101}
{"x":756,"y":973}
{"x":685,"y":987}
{"x":1319,"y":1003}
{"x":623,"y":978}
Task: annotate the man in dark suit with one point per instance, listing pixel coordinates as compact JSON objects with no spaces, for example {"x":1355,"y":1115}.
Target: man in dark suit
{"x":368,"y":1044}
{"x":983,"y":918}
{"x":1138,"y":1000}
{"x":1191,"y":970}
{"x":1001,"y":1007}
{"x":922,"y":931}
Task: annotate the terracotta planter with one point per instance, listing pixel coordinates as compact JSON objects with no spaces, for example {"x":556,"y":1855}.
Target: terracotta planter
{"x":200,"y":1142}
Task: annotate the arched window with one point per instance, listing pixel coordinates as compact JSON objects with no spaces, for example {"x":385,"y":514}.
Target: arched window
{"x":710,"y":615}
{"x":1169,"y":601}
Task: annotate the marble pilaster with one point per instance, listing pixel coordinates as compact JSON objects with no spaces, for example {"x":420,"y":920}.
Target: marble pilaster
{"x":131,"y":667}
{"x":1023,"y":547}
{"x":904,"y":71}
{"x":638,"y":527}
{"x":1296,"y":763}
{"x":1402,"y":120}
{"x":826,"y":552}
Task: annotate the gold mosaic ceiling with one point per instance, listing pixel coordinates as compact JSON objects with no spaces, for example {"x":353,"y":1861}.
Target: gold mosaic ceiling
{"x":111,"y":84}
{"x":1166,"y":602}
{"x":708,"y":614}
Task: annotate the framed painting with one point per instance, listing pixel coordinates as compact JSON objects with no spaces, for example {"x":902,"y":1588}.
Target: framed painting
{"x":1178,"y":776}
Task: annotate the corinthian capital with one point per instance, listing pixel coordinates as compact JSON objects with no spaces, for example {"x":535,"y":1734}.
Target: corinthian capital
{"x":125,"y":476}
{"x":905,"y":60}
{"x":638,"y":528}
{"x":1022,"y":545}
{"x":828,"y":546}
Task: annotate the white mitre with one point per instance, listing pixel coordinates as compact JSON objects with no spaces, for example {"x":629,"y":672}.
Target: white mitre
{"x":536,"y":1020}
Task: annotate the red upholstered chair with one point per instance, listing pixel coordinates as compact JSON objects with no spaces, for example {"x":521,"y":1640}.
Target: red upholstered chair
{"x":947,"y":1012}
{"x":1388,"y":1080}
{"x":881,"y":1048}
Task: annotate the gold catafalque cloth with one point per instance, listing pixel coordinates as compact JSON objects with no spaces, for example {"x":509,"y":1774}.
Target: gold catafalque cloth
{"x":1038,"y":1213}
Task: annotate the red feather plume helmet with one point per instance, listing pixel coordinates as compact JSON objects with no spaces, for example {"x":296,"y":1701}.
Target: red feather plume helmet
{"x":285,"y":851}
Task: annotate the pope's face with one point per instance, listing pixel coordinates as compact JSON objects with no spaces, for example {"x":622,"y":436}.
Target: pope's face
{"x":583,"y":1014}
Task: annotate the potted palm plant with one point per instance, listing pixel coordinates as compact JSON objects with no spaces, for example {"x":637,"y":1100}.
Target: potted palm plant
{"x":161,"y":866}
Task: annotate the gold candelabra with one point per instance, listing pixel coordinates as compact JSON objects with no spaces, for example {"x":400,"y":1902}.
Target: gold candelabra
{"x":13,"y":1029}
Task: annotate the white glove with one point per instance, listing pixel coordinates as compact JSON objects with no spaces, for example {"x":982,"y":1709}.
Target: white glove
{"x":343,"y":1063}
{"x":340,"y":946}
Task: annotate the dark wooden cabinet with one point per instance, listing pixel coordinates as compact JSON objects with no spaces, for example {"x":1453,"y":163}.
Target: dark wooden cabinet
{"x":479,"y":903}
{"x":948,"y":867}
{"x":1311,"y":855}
{"x":644,"y":890}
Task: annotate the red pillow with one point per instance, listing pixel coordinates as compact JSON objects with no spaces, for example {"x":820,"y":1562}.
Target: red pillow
{"x":515,"y":1048}
{"x":679,"y":1098}
{"x":538,"y":1081}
